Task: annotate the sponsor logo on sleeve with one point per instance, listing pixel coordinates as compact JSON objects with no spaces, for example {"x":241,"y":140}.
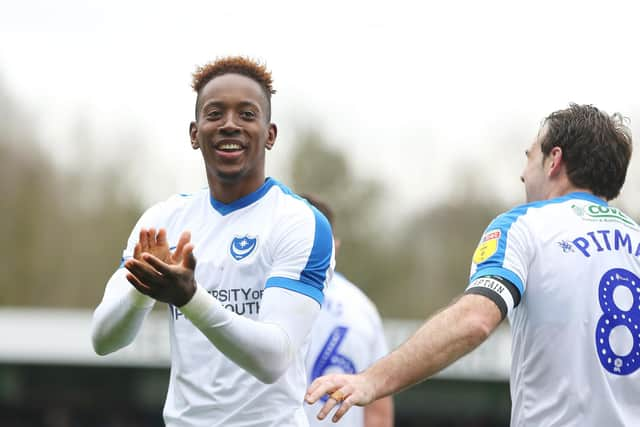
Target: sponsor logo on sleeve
{"x":487,"y":247}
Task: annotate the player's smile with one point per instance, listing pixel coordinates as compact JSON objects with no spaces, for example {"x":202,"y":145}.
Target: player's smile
{"x":232,"y":131}
{"x":233,"y":152}
{"x":229,"y":149}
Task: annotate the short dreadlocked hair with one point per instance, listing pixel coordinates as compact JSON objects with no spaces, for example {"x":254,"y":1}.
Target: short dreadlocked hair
{"x":234,"y":65}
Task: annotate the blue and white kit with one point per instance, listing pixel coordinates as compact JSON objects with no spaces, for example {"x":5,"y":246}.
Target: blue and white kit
{"x":238,"y":347}
{"x":566,"y":271}
{"x":346,"y":338}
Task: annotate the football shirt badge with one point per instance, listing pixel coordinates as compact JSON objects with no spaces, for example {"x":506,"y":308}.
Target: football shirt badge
{"x":487,"y":247}
{"x":242,"y":247}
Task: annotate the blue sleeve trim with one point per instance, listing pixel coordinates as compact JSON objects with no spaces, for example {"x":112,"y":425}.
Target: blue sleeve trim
{"x":500,"y":272}
{"x":504,"y":221}
{"x":493,"y":266}
{"x":296,"y":286}
{"x":315,"y":272}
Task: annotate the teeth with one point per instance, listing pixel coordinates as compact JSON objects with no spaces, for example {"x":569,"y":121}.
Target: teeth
{"x":229,"y":147}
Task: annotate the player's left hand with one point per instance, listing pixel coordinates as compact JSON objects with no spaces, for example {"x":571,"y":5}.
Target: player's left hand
{"x":157,"y":245}
{"x":344,"y":391}
{"x":171,"y":283}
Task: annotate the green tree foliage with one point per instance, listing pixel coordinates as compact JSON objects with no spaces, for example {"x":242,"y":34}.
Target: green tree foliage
{"x":58,"y":250}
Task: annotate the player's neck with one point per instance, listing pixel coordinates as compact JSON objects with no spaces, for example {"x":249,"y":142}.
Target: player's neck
{"x":564,"y":188}
{"x":227,"y":191}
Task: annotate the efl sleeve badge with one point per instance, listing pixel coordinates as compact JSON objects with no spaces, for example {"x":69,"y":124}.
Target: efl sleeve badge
{"x":487,"y":247}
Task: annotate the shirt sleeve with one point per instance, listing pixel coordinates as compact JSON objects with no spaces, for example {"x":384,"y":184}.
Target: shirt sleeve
{"x":264,"y":347}
{"x":503,"y":253}
{"x":119,"y":316}
{"x":303,"y":255}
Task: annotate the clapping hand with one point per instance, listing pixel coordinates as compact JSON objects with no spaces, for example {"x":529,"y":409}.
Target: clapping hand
{"x":156,"y":271}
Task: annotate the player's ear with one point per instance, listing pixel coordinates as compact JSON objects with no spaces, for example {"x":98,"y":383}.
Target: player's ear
{"x":271,"y":136}
{"x":555,"y":157}
{"x":193,"y":134}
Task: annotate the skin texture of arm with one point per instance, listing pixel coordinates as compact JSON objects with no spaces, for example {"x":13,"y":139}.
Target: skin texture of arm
{"x":443,"y":339}
{"x":379,"y":413}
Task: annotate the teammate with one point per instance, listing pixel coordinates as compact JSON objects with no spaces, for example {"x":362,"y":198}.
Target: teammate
{"x":242,"y":264}
{"x":347,"y":337}
{"x":565,"y":269}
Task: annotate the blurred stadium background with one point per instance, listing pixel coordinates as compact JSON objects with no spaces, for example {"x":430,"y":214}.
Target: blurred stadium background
{"x":61,"y":246}
{"x":77,"y":171}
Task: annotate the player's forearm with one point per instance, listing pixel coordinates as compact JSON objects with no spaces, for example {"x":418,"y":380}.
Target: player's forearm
{"x":118,"y":318}
{"x":263,"y":348}
{"x":447,"y":336}
{"x":379,"y":413}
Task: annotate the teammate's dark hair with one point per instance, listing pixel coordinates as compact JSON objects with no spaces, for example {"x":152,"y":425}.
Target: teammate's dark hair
{"x":234,"y":65}
{"x":320,"y":205}
{"x":596,"y":147}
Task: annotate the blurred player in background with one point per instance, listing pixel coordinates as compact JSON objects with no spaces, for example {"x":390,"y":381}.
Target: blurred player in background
{"x":240,"y":315}
{"x":565,"y":269}
{"x":347,"y":337}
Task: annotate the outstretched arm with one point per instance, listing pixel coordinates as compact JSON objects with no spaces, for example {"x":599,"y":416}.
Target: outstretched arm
{"x":448,"y":335}
{"x":379,"y":413}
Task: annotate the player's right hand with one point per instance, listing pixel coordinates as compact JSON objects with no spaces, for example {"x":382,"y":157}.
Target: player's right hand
{"x":171,"y":283}
{"x":156,"y":271}
{"x":344,"y":391}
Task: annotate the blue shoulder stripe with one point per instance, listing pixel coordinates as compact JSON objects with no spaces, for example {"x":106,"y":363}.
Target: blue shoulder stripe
{"x":493,"y":265}
{"x":296,"y":286}
{"x":315,"y":272}
{"x":313,"y":276}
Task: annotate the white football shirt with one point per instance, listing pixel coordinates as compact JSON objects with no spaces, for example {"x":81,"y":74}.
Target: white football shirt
{"x":270,"y":238}
{"x":346,"y":338}
{"x":575,"y":262}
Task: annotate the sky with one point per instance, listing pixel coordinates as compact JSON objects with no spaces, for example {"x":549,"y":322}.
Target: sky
{"x":416,"y":94}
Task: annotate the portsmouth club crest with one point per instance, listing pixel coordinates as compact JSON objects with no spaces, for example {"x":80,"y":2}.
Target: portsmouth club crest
{"x":242,"y":247}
